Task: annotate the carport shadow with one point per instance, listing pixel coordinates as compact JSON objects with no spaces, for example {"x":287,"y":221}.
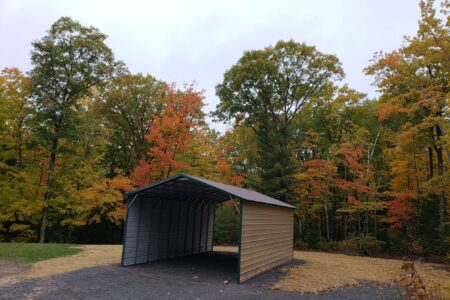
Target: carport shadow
{"x":211,"y":267}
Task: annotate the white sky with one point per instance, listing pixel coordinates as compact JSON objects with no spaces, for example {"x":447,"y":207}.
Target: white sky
{"x":185,"y":41}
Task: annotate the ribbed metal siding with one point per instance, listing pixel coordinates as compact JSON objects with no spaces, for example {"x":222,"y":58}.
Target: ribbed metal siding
{"x":266,"y":238}
{"x":158,"y":229}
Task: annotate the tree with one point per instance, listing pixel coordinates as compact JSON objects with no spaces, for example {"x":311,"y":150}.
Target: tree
{"x":17,"y":186}
{"x":67,"y":63}
{"x":169,"y":135}
{"x":238,"y":149}
{"x":15,"y":111}
{"x":265,"y":90}
{"x":355,"y":182}
{"x":318,"y":182}
{"x":129,"y":105}
{"x":414,"y":81}
{"x":338,"y":143}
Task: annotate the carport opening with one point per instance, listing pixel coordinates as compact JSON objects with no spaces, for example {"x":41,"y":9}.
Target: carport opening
{"x":172,"y":220}
{"x":216,"y":263}
{"x":227,"y":224}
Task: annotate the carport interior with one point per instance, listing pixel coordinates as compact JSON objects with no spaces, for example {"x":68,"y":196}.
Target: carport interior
{"x":170,"y":219}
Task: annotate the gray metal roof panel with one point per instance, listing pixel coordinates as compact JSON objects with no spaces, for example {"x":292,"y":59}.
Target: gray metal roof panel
{"x":242,"y":193}
{"x":229,"y":189}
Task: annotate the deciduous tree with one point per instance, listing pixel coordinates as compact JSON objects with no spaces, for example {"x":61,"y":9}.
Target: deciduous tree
{"x":265,"y":90}
{"x":170,"y":134}
{"x":67,"y":63}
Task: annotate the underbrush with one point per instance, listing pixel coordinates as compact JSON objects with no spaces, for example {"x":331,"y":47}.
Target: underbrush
{"x":353,"y":245}
{"x":368,"y":245}
{"x":414,"y":286}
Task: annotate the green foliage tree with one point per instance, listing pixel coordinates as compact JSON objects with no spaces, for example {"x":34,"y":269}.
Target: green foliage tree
{"x":265,"y":90}
{"x":17,"y":186}
{"x":67,"y":64}
{"x":129,"y":104}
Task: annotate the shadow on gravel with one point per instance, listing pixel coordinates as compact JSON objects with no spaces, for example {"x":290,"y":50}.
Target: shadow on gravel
{"x":203,"y":276}
{"x":214,"y":267}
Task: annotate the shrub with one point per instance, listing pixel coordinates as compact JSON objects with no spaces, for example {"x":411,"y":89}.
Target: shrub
{"x":226,"y":226}
{"x":414,"y":286}
{"x":415,"y":248}
{"x":300,"y":245}
{"x":330,"y":246}
{"x":369,"y":244}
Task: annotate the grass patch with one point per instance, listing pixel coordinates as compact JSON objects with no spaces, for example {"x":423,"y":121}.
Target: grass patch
{"x":33,"y":252}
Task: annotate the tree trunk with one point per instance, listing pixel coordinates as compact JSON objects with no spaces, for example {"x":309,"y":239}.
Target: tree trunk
{"x":366,"y":226}
{"x":327,"y":223}
{"x":430,"y":162}
{"x":320,"y":230}
{"x":375,"y":226}
{"x":359,"y":231}
{"x":440,"y":172}
{"x":299,"y":227}
{"x":345,"y":226}
{"x":48,"y":193}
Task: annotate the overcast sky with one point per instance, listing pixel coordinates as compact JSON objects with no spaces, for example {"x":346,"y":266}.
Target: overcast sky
{"x":185,"y":41}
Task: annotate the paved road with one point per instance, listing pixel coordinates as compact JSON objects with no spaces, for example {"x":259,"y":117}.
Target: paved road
{"x":195,"y":277}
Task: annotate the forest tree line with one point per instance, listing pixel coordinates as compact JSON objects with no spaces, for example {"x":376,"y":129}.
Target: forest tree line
{"x":79,"y":129}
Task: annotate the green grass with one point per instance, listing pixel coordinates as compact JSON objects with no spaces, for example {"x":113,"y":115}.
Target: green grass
{"x":33,"y":252}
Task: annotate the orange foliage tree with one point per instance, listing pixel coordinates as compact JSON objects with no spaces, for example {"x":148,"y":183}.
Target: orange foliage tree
{"x":170,"y":135}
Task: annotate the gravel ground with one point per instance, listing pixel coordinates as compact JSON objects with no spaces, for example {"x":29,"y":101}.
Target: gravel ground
{"x":200,"y":276}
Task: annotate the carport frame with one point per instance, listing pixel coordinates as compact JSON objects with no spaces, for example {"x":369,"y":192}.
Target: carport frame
{"x":215,"y":187}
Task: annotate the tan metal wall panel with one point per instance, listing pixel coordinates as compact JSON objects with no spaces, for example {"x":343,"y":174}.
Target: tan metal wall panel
{"x":266,"y":238}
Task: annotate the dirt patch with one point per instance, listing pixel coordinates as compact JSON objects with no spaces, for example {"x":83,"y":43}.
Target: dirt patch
{"x":91,"y":256}
{"x":325,"y":271}
{"x":8,"y":268}
{"x":232,"y":249}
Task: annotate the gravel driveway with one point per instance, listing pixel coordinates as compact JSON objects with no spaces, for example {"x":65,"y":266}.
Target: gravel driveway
{"x":200,"y":276}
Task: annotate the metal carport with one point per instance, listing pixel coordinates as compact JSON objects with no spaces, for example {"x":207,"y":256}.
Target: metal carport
{"x":175,"y":217}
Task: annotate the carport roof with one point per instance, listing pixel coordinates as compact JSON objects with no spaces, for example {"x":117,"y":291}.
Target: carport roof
{"x":190,"y":187}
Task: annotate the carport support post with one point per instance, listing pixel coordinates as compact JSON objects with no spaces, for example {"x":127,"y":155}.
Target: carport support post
{"x":193,"y":228}
{"x":169,"y":229}
{"x":201,"y":227}
{"x":188,"y":212}
{"x":178,"y":228}
{"x":195,"y":225}
{"x":187,"y":223}
{"x":125,"y":226}
{"x":138,"y":230}
{"x":213,"y":224}
{"x":208,"y":206}
{"x":152,"y":206}
{"x":241,"y":206}
{"x":161,"y":215}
